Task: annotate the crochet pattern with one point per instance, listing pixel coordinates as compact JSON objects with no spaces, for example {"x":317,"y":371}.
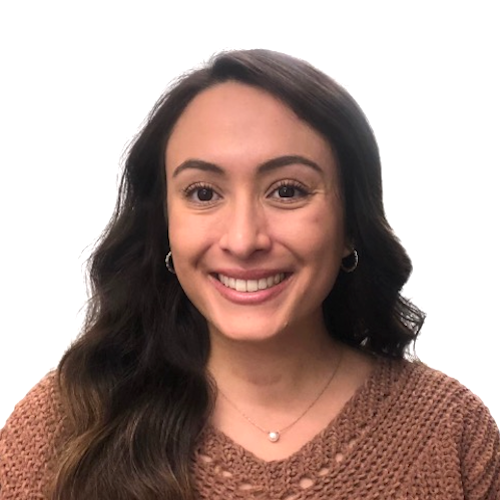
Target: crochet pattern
{"x":409,"y":433}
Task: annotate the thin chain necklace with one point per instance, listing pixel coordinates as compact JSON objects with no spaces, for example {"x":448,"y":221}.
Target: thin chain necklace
{"x":274,"y":436}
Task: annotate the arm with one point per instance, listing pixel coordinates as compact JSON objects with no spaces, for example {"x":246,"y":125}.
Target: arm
{"x":27,"y":443}
{"x":480,"y":453}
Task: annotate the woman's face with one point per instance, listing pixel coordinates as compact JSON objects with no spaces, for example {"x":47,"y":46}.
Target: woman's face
{"x":255,"y":215}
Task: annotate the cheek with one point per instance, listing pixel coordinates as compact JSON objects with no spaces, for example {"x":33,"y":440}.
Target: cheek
{"x":318,"y":233}
{"x":317,"y":241}
{"x":178,"y":234}
{"x":190,"y":236}
{"x":178,"y":223}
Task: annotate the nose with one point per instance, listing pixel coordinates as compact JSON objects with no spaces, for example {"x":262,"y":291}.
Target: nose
{"x":246,"y":230}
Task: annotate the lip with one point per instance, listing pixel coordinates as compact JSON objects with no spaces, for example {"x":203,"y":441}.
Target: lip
{"x":249,"y":298}
{"x":249,"y":274}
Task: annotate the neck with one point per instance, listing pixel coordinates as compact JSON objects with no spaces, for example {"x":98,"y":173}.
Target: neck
{"x":279,"y":371}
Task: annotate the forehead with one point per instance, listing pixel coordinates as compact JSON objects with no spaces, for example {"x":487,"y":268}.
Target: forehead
{"x":232,"y":100}
{"x":234,"y":120}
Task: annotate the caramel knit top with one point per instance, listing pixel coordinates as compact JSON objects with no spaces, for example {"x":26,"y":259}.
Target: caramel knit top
{"x":409,"y":432}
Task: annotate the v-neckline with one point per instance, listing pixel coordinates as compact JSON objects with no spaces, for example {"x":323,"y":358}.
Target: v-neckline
{"x":349,"y":413}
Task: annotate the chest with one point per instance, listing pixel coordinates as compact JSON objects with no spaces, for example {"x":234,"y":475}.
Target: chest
{"x":399,"y":466}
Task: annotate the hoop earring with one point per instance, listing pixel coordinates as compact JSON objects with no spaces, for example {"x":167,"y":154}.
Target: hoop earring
{"x":354,"y":265}
{"x":169,"y":263}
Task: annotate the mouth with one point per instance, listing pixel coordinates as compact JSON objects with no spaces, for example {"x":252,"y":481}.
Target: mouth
{"x":255,"y":285}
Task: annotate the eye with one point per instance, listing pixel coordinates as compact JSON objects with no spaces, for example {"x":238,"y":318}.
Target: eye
{"x":204,"y":194}
{"x":289,"y":191}
{"x":201,"y":193}
{"x":286,"y":191}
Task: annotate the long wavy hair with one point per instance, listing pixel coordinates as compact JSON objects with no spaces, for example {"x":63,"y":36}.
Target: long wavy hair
{"x":134,"y":384}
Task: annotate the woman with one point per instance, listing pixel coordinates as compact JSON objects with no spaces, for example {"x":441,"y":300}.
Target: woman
{"x":246,"y":334}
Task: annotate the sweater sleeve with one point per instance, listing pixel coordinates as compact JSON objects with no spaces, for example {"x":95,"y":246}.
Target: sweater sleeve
{"x":27,"y":443}
{"x":480,"y":452}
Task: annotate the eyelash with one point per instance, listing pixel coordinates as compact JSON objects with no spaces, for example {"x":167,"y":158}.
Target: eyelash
{"x":193,"y":188}
{"x":303,"y":192}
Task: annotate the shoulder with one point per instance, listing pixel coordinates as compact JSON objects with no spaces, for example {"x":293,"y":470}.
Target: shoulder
{"x":429,"y":391}
{"x":432,"y":388}
{"x":454,"y":419}
{"x":29,"y":440}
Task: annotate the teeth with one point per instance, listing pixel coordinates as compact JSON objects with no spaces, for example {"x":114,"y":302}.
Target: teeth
{"x":241,"y":286}
{"x":251,"y":285}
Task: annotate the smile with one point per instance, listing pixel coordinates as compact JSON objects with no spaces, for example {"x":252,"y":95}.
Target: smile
{"x":251,"y":285}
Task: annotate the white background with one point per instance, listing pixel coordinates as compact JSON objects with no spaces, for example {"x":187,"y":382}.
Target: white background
{"x":77,"y":79}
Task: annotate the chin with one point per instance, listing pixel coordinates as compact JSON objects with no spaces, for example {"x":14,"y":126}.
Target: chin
{"x":248,"y":330}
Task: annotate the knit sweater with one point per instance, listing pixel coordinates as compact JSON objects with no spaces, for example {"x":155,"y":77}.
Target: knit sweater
{"x":409,"y":432}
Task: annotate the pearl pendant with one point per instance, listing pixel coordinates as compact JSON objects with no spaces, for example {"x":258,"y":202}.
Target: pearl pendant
{"x":274,"y":436}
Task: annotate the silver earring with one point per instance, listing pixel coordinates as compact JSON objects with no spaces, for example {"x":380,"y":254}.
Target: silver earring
{"x":169,"y":263}
{"x":354,"y":265}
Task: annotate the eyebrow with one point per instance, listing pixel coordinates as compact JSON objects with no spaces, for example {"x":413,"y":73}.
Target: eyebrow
{"x":267,"y":166}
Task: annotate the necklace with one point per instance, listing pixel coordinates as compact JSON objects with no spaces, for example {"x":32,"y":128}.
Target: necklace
{"x":274,"y":436}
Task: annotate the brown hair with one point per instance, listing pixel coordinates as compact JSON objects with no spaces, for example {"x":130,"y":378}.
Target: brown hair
{"x":134,"y":384}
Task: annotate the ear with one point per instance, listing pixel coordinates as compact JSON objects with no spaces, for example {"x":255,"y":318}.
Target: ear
{"x":348,"y":249}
